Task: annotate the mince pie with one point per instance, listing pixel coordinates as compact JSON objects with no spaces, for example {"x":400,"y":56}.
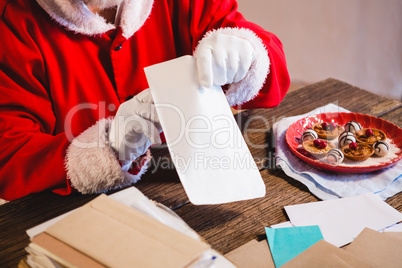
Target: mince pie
{"x":317,"y":147}
{"x":327,"y":130}
{"x":370,"y":135}
{"x":357,"y":151}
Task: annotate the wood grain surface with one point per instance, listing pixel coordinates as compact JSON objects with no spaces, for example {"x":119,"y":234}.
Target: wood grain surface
{"x":225,"y":226}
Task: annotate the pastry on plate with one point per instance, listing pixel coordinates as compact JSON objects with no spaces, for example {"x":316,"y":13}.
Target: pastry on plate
{"x":358,"y":151}
{"x":309,"y":134}
{"x":317,"y":147}
{"x":335,"y":157}
{"x":370,"y":135}
{"x":381,"y":148}
{"x":346,"y":138}
{"x":353,"y":126}
{"x":326,"y":130}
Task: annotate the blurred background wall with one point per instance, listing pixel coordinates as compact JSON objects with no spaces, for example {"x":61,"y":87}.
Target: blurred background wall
{"x":356,"y":41}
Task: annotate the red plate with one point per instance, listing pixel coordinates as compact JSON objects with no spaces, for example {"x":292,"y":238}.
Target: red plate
{"x":295,"y":131}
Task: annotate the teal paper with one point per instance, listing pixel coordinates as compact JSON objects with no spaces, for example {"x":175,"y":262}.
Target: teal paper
{"x":287,"y":243}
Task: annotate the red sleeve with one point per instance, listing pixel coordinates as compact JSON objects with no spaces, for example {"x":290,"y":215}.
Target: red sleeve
{"x":213,"y":14}
{"x":31,"y":157}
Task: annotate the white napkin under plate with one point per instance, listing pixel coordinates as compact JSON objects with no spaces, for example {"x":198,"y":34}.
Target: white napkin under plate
{"x":329,"y":185}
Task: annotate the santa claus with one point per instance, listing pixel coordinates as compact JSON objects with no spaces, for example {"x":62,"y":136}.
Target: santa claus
{"x":69,"y":68}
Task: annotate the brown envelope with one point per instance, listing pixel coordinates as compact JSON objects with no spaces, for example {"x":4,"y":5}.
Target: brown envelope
{"x":397,"y":235}
{"x":252,"y":254}
{"x":118,"y":236}
{"x":378,"y":249}
{"x":324,"y":254}
{"x":62,"y":253}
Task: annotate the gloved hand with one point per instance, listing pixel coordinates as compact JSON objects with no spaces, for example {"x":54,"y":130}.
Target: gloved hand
{"x":135,"y":128}
{"x":223,"y":59}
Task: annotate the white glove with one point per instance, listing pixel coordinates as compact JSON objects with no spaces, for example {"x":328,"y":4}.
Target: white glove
{"x":135,"y":128}
{"x":223,"y":59}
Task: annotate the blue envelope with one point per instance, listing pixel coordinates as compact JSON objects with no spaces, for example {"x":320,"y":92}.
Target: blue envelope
{"x":286,"y":243}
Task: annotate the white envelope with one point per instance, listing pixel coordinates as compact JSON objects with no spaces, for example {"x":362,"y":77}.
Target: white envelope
{"x":208,"y":150}
{"x":341,"y":220}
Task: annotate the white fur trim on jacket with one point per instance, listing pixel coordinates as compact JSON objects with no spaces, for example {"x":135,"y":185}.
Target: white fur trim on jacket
{"x":247,"y":88}
{"x":75,"y":16}
{"x":92,"y":166}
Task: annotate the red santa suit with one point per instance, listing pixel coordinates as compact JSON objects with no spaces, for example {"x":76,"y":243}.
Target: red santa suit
{"x":64,"y":72}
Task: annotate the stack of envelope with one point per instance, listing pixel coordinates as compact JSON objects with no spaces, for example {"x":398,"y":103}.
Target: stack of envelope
{"x":124,"y":230}
{"x":361,"y":231}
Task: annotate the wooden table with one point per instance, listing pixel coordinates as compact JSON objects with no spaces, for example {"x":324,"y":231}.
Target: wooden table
{"x":226,"y":226}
